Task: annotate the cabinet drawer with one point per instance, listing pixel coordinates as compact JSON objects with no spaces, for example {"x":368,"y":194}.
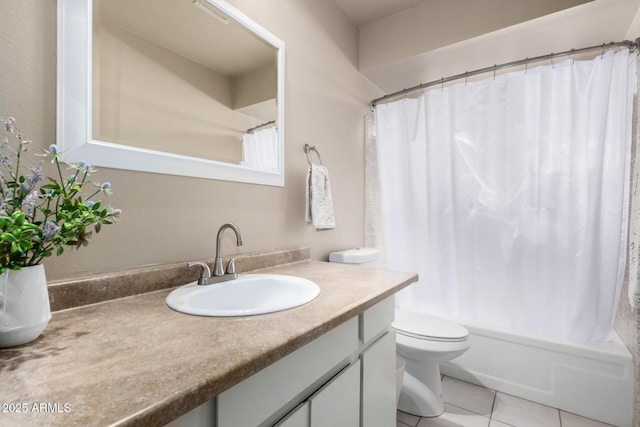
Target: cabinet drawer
{"x":376,"y":320}
{"x":260,"y":396}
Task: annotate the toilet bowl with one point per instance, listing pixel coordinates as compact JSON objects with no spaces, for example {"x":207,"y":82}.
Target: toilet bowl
{"x":423,"y":341}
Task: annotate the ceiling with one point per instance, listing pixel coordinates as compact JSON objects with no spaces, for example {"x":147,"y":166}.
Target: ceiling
{"x":363,"y":12}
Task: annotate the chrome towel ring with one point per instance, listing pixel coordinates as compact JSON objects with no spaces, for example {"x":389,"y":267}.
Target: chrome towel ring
{"x":308,"y":148}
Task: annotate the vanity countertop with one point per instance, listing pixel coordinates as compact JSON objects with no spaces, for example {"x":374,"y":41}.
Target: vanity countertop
{"x":134,"y":361}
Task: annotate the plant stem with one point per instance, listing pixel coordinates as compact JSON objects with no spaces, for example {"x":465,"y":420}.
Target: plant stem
{"x":15,"y":177}
{"x":64,"y":188}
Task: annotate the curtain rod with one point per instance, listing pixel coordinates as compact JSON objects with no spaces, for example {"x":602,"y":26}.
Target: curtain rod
{"x":250,"y":130}
{"x":605,"y":46}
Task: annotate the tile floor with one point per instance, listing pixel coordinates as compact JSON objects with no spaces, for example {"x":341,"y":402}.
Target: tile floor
{"x":469,"y":405}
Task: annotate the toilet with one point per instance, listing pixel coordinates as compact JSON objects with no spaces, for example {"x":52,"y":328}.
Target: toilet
{"x":422,"y":342}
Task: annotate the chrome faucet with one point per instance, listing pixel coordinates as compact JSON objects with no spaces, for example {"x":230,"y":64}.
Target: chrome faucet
{"x":219,"y":273}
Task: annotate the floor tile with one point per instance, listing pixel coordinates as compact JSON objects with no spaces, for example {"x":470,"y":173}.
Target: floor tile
{"x":455,"y":417}
{"x":408,"y":419}
{"x":399,"y":424}
{"x":468,"y":396}
{"x":572,"y":420}
{"x":496,"y":423}
{"x":523,"y":413}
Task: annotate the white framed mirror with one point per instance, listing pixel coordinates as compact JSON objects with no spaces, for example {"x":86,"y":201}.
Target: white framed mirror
{"x":181,"y":87}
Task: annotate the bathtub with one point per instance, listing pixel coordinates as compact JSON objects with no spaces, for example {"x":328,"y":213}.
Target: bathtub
{"x":593,"y":380}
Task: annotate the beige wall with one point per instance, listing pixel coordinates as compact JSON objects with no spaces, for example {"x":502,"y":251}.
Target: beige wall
{"x":634,"y":29}
{"x":172,"y":219}
{"x":422,"y":28}
{"x":256,"y":86}
{"x":186,"y":108}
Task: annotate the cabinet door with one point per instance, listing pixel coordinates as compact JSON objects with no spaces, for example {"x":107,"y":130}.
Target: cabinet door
{"x":379,"y":383}
{"x":299,"y":417}
{"x":267,"y":391}
{"x":337,"y":404}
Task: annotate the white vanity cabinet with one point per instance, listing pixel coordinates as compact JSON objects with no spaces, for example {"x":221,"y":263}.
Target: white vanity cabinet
{"x":337,"y":403}
{"x":299,"y":417}
{"x":344,"y":378}
{"x":378,"y":356}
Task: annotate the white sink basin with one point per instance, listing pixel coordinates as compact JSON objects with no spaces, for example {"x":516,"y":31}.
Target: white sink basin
{"x":247,"y":295}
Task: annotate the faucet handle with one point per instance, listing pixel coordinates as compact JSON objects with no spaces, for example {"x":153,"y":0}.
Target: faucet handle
{"x":231,"y":267}
{"x":206,"y":272}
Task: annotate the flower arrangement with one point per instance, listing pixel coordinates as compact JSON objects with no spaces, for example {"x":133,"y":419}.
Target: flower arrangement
{"x":39,"y":219}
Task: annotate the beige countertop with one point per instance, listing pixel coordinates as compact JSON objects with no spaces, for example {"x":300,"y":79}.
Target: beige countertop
{"x":134,"y":361}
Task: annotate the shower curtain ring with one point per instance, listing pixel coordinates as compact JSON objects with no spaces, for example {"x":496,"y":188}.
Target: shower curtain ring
{"x":526,"y":65}
{"x":494,"y":71}
{"x":466,"y":77}
{"x":442,"y":83}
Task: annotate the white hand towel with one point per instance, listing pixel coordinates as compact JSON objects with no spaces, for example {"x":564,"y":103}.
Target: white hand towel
{"x":319,"y":205}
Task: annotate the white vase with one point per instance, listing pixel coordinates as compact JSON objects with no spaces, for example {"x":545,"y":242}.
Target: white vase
{"x":24,"y":305}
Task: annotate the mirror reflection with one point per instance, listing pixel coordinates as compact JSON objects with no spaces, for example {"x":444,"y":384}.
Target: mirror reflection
{"x":178,"y":76}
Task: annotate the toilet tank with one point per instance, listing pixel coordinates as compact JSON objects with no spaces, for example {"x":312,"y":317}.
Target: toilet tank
{"x":360,"y":256}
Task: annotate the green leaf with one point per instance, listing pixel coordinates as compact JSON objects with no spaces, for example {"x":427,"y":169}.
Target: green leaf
{"x":7,"y":237}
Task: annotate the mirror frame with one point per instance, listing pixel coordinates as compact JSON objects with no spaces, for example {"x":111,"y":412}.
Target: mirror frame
{"x":74,"y":106}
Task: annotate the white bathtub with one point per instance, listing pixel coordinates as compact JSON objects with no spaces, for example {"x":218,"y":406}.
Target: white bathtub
{"x":594,"y":380}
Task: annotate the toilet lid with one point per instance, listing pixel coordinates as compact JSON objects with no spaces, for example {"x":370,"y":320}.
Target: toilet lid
{"x":420,"y":325}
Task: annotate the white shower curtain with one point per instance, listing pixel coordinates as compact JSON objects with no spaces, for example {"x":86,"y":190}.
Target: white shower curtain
{"x":260,"y":149}
{"x":509,"y":196}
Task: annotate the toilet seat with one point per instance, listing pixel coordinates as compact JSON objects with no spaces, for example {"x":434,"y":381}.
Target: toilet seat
{"x":426,"y":327}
